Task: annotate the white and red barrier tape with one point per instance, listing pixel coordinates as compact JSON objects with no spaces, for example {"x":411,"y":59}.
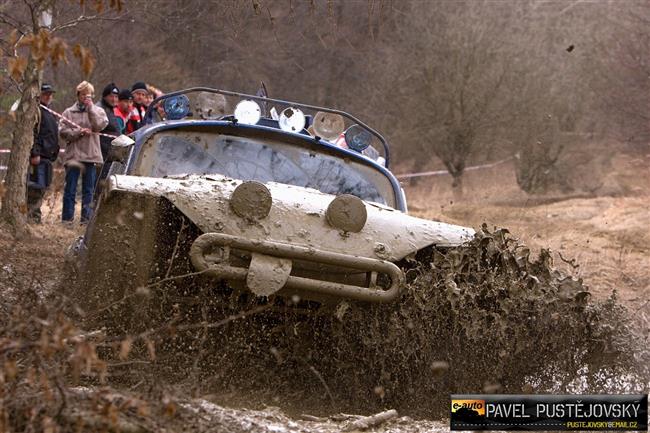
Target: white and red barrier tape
{"x":399,"y":176}
{"x":70,"y":122}
{"x":60,"y":116}
{"x":9,"y":151}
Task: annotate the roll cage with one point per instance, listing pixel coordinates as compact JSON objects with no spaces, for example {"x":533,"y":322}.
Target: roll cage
{"x":264,"y":99}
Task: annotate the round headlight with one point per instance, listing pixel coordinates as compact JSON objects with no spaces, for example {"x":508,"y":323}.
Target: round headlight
{"x":251,"y":200}
{"x":347,"y":212}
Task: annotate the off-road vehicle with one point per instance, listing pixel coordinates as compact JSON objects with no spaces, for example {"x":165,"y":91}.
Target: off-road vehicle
{"x":274,"y":198}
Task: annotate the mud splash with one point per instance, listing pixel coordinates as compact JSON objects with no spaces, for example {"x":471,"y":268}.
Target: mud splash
{"x":486,"y":317}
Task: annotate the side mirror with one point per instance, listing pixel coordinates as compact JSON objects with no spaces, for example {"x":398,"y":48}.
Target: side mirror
{"x":120,"y":149}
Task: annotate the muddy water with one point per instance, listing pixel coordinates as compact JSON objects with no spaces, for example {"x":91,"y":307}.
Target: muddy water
{"x":487,"y":317}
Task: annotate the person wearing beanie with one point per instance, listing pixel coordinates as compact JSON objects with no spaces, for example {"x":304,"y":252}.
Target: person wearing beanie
{"x":125,"y":95}
{"x":139,"y":86}
{"x":108,"y":103}
{"x":127,"y":115}
{"x":78,"y":129}
{"x":140,"y":98}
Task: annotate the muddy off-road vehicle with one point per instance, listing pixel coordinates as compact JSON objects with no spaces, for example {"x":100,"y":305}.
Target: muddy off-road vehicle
{"x":271,"y":197}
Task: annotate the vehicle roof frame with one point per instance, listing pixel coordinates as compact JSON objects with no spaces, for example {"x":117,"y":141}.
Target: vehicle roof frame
{"x":374,"y":132}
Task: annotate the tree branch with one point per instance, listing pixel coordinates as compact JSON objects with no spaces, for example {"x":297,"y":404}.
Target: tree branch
{"x":86,"y":18}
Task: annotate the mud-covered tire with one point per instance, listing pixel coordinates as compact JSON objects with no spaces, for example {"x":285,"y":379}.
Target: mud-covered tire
{"x":129,"y":250}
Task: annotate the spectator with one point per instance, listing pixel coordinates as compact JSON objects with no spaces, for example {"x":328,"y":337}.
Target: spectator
{"x":127,"y":115}
{"x":140,"y":98}
{"x":82,"y":151}
{"x":108,"y":103}
{"x":154,"y":93}
{"x":43,"y":154}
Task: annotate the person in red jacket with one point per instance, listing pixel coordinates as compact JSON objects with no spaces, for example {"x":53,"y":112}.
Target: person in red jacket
{"x":128,"y":117}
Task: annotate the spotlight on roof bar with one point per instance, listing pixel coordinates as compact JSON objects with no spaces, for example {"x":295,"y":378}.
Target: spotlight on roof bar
{"x":248,"y":112}
{"x":357,"y":138}
{"x":177,"y":107}
{"x":328,"y":126}
{"x":292,"y":120}
{"x":210,"y":105}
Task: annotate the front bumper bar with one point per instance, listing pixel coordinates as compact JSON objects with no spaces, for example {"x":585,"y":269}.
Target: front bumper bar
{"x":208,"y":241}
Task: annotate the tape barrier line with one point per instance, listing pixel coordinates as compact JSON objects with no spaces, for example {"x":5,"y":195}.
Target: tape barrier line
{"x":70,"y":122}
{"x":58,"y":170}
{"x":444,"y":172}
{"x":9,"y":151}
{"x":60,"y":116}
{"x":399,"y":176}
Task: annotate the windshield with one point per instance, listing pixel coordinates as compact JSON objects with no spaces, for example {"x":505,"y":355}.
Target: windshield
{"x":176,"y":152}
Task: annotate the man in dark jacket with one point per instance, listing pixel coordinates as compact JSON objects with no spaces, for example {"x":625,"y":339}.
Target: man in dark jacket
{"x":108,"y":103}
{"x":140,"y":94}
{"x":44,"y":152}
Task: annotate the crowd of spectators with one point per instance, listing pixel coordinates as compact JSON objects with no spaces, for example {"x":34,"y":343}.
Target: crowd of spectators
{"x":85,"y":131}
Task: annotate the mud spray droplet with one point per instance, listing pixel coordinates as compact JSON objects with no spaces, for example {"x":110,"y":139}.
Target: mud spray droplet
{"x":439,"y":368}
{"x":491,"y":388}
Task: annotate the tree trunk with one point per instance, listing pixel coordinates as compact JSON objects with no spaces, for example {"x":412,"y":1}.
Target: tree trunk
{"x":457,"y":185}
{"x":14,"y":202}
{"x":418,"y":166}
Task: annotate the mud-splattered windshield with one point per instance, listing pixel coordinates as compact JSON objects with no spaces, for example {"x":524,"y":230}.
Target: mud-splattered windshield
{"x":189,"y":152}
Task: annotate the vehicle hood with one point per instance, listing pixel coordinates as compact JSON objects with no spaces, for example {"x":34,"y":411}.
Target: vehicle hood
{"x":297,"y":217}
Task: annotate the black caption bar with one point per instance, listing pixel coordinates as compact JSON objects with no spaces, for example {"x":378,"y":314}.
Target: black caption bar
{"x":549,"y":412}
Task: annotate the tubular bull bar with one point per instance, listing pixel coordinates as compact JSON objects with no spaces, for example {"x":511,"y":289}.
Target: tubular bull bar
{"x":206,"y":242}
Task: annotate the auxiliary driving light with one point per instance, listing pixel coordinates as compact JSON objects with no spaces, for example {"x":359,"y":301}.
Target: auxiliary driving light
{"x":292,"y":120}
{"x":347,"y":212}
{"x":177,"y":107}
{"x":328,"y":126}
{"x":357,"y":138}
{"x":248,"y":112}
{"x":211,"y":105}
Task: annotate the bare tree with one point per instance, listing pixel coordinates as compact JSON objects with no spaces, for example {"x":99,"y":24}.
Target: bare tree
{"x":29,"y":45}
{"x":621,"y":82}
{"x":457,"y":79}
